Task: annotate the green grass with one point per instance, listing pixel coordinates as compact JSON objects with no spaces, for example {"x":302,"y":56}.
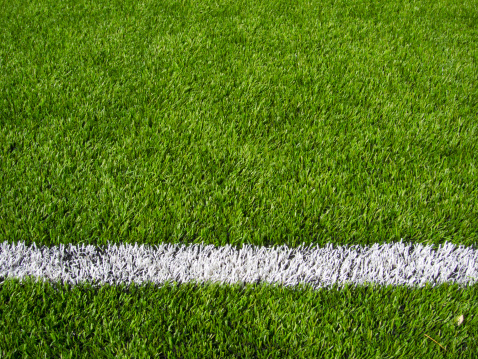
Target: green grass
{"x":261,"y":122}
{"x":237,"y":321}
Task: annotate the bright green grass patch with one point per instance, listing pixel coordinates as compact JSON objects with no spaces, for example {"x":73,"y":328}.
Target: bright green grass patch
{"x":260,"y":122}
{"x":249,"y":321}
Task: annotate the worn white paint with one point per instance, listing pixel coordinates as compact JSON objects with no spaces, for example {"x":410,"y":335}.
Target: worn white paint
{"x":396,"y":264}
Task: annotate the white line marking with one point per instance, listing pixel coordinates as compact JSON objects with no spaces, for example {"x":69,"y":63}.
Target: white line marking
{"x":384,"y":264}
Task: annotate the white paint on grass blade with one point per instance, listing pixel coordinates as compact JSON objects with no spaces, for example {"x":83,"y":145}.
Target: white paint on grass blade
{"x":385,"y":264}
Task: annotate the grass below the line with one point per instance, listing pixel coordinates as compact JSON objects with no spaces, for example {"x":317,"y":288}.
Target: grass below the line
{"x":191,"y":321}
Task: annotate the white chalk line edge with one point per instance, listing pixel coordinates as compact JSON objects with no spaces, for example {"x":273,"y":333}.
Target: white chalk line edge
{"x":399,"y":264}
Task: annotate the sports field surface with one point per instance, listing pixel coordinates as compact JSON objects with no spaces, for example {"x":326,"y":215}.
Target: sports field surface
{"x":238,"y":179}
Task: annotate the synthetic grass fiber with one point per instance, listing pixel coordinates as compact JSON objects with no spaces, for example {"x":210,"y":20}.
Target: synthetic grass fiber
{"x":273,"y":126}
{"x":388,"y":264}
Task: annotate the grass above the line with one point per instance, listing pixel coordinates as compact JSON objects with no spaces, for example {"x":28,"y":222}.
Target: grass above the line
{"x":256,"y":122}
{"x":191,"y":321}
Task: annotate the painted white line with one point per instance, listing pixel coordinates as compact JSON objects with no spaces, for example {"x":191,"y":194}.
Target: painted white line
{"x":386,"y":264}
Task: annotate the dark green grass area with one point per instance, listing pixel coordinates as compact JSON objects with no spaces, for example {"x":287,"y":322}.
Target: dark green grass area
{"x":260,"y":122}
{"x":252,"y":321}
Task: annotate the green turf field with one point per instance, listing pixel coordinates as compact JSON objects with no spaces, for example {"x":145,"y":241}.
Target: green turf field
{"x":264,"y":122}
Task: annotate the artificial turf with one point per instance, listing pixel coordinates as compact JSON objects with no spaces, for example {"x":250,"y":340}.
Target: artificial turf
{"x":251,"y":321}
{"x":231,"y":122}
